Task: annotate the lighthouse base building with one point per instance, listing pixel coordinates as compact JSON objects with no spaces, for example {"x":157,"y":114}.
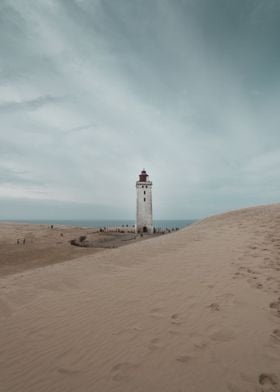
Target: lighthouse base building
{"x":144,"y":209}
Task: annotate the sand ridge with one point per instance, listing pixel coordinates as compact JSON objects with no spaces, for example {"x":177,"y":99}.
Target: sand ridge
{"x":197,"y":310}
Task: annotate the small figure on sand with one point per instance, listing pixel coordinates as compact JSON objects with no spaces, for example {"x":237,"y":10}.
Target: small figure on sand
{"x":18,"y":241}
{"x":23,"y":241}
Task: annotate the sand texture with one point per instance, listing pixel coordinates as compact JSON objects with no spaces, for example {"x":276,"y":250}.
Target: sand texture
{"x":193,"y":311}
{"x":26,"y":246}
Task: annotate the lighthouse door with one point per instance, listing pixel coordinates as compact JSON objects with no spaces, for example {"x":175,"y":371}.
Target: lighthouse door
{"x":145,"y":229}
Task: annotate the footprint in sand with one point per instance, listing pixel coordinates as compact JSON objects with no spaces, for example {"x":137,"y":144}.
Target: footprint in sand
{"x":175,"y":319}
{"x":214,"y":307}
{"x":241,"y":268}
{"x":269,"y":381}
{"x":200,"y":345}
{"x":276,"y":306}
{"x":123,"y":371}
{"x":276,"y":335}
{"x":154,"y":344}
{"x":254,"y":283}
{"x":237,"y":275}
{"x":250,"y":271}
{"x":183,"y":358}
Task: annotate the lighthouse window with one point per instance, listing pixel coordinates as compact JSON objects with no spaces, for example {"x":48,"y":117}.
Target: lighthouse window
{"x":144,"y":192}
{"x":146,"y":186}
{"x":142,"y":186}
{"x":144,"y":198}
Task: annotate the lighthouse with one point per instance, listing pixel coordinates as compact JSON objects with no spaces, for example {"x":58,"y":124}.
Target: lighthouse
{"x":144,"y":210}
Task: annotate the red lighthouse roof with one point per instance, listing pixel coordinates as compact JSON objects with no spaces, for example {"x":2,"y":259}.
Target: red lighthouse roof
{"x":143,"y":176}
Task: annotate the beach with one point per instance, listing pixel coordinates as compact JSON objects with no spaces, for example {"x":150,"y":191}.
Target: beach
{"x":195,"y":310}
{"x":26,"y":246}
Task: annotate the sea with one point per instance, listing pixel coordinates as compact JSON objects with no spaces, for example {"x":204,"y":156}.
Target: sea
{"x":163,"y":224}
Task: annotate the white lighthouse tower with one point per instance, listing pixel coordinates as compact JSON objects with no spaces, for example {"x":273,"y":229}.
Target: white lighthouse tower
{"x":144,"y":213}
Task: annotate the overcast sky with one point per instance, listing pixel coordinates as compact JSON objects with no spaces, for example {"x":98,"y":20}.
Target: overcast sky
{"x":93,"y":91}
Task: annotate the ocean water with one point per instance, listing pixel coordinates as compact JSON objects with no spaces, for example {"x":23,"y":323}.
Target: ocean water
{"x":163,"y":224}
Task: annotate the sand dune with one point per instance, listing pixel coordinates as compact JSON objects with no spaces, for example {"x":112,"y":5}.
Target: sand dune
{"x":197,"y":310}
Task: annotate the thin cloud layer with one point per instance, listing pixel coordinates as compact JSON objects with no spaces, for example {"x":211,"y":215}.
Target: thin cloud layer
{"x":28,"y":105}
{"x":93,"y":91}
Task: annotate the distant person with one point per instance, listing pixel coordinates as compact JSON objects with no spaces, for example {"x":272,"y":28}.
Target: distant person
{"x":23,"y":241}
{"x":18,"y":241}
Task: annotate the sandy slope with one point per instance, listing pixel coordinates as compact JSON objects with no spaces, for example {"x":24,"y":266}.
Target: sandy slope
{"x":196,"y":310}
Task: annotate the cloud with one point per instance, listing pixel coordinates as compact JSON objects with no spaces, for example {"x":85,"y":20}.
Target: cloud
{"x":29,"y":105}
{"x":8,"y":176}
{"x":81,"y":128}
{"x":93,"y":91}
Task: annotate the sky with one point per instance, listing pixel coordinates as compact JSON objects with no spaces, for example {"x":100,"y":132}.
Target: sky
{"x":93,"y":91}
